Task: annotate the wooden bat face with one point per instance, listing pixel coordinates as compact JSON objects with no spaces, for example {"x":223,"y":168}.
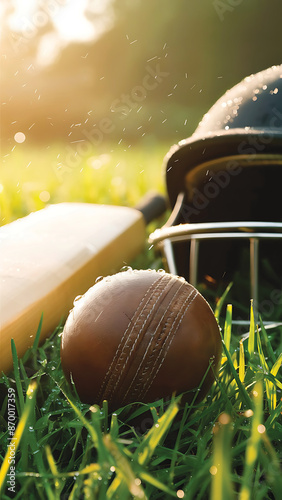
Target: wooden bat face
{"x":53,"y":255}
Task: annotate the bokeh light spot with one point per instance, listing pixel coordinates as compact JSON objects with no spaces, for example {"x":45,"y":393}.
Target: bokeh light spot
{"x":180,"y":494}
{"x":213,"y":470}
{"x":44,"y":196}
{"x":19,"y":137}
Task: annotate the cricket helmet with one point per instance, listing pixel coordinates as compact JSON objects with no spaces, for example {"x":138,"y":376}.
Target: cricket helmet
{"x":224,"y":185}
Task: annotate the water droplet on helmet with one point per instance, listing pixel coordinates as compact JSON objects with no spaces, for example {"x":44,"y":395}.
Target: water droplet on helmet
{"x":77,"y":299}
{"x":126,"y":268}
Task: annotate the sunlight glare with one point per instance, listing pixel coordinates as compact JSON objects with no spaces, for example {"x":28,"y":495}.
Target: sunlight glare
{"x":71,"y":22}
{"x":70,"y":19}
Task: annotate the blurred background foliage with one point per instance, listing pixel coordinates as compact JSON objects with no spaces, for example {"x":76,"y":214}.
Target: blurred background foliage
{"x":67,"y":65}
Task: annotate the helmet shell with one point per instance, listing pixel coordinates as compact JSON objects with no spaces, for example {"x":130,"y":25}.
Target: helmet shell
{"x":246,"y":120}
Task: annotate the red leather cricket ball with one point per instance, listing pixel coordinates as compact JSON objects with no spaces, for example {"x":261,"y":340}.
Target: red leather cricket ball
{"x":138,"y":336}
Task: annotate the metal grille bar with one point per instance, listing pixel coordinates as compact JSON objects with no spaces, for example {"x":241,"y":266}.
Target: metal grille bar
{"x":253,"y":231}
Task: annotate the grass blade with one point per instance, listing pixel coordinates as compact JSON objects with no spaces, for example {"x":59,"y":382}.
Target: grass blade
{"x":15,"y":440}
{"x":267,"y":343}
{"x":37,"y":336}
{"x":245,"y":396}
{"x":272,"y":466}
{"x":251,"y":340}
{"x":159,"y":485}
{"x":54,"y":470}
{"x":228,"y":326}
{"x":221,"y":301}
{"x":92,"y":431}
{"x":241,"y":361}
{"x":221,"y":487}
{"x":277,"y":365}
{"x":253,"y":443}
{"x":269,"y":386}
{"x":156,"y":433}
{"x":17,"y":375}
{"x":272,"y":388}
{"x":124,"y":472}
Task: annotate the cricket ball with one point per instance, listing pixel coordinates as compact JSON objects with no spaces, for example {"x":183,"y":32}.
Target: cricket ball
{"x":138,"y":336}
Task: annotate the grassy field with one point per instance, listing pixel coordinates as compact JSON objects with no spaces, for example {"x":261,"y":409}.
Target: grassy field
{"x":113,"y":174}
{"x":226,"y":447}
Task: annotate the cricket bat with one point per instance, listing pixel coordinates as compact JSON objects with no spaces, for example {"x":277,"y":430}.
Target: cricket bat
{"x":53,"y":255}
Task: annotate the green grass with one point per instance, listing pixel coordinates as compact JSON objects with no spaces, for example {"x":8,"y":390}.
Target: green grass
{"x":226,"y":447}
{"x":111,"y":174}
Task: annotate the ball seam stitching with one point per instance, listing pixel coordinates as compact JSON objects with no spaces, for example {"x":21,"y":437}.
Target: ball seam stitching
{"x":143,"y":365}
{"x":108,"y":381}
{"x":167,"y":343}
{"x":134,"y":327}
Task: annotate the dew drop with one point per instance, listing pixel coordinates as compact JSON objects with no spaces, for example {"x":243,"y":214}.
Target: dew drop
{"x":181,"y":278}
{"x":99,"y":278}
{"x":126,"y":268}
{"x":77,"y":299}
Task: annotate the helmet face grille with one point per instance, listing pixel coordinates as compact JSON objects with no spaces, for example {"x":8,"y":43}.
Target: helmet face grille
{"x":220,"y":262}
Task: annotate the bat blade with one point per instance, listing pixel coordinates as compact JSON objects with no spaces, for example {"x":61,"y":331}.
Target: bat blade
{"x":51,"y":256}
